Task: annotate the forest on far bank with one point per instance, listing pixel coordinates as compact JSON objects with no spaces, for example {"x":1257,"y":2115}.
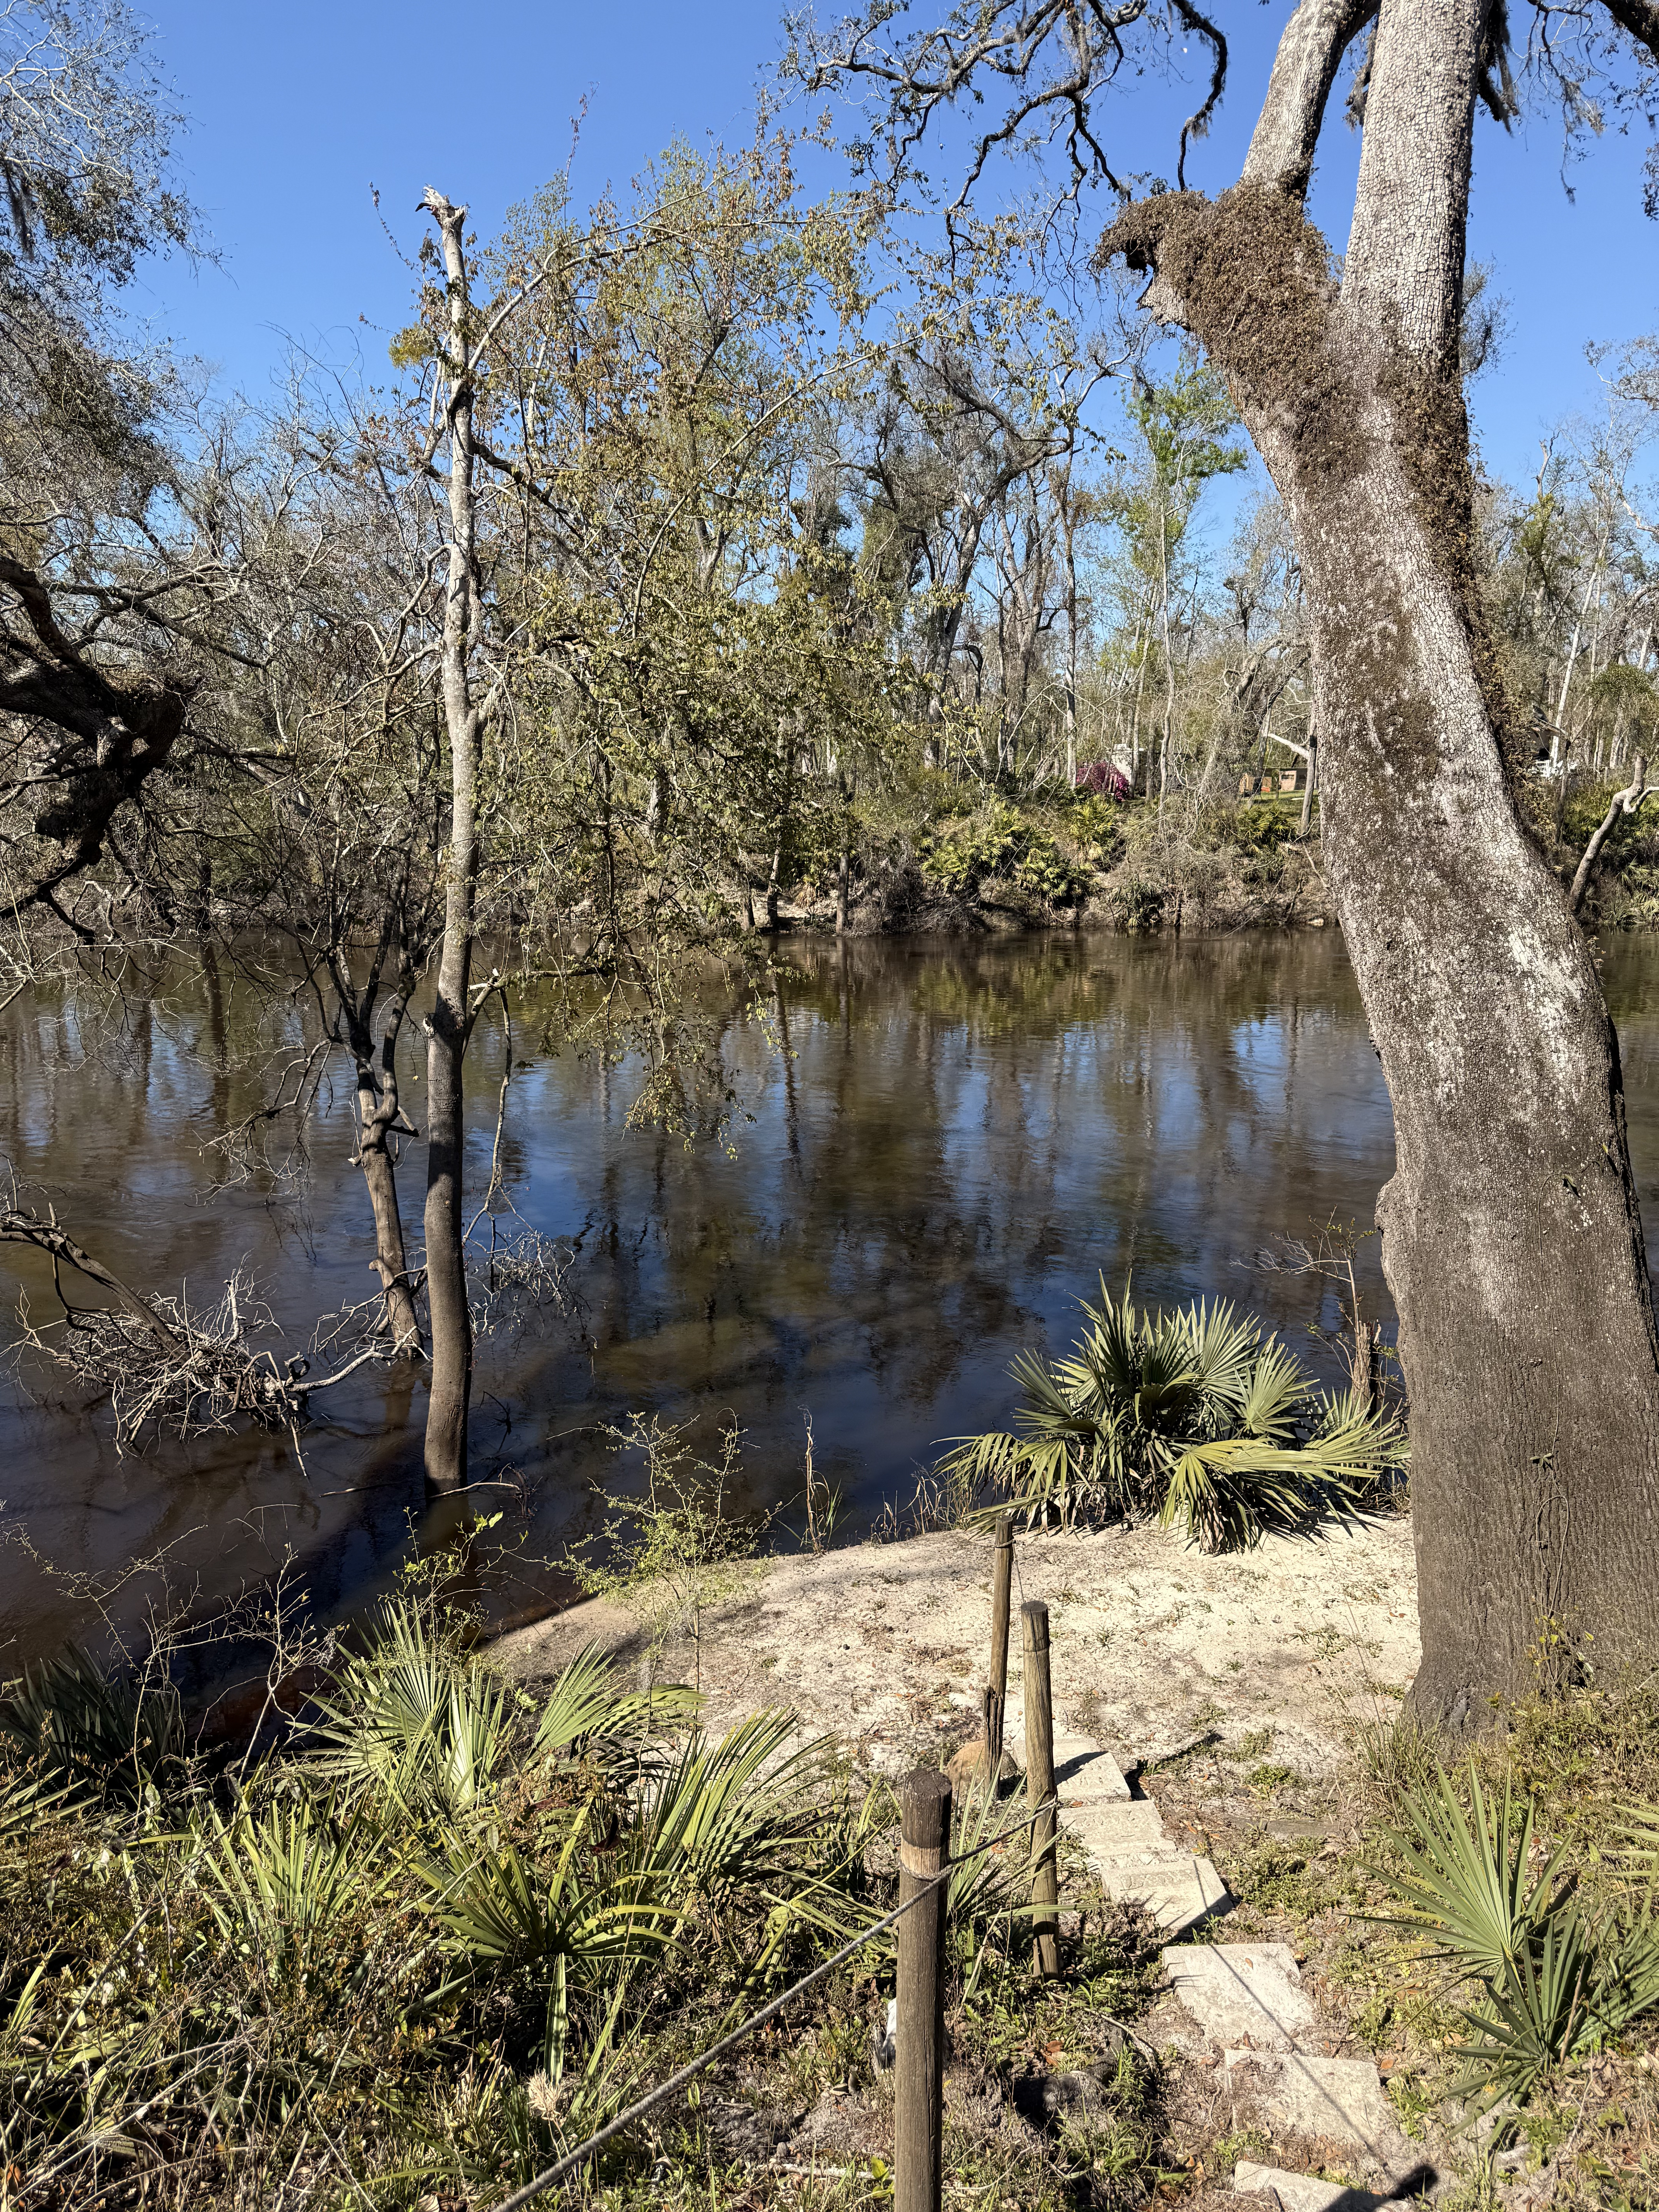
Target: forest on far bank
{"x":815,"y":572}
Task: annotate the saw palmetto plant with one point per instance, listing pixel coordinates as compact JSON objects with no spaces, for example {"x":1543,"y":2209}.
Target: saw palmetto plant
{"x":1552,"y":1978}
{"x":89,"y":1731}
{"x":427,"y":1725}
{"x":1194,"y":1416}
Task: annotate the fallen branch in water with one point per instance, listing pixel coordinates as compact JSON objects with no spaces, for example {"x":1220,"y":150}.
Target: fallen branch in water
{"x":163,"y":1366}
{"x":191,"y":1372}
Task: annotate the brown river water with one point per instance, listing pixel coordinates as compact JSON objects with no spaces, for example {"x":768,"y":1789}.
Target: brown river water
{"x":940,"y":1146}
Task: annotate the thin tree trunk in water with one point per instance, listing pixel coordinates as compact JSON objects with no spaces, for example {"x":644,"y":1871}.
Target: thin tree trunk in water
{"x":1511,"y":1240}
{"x":449,"y":1024}
{"x":379,"y":1115}
{"x":843,"y":872}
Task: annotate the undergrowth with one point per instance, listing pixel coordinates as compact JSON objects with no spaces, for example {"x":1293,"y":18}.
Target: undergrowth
{"x":448,"y":1929}
{"x":1483,"y":1921}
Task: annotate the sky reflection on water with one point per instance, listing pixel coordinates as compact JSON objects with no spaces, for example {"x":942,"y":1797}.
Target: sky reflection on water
{"x":952,"y":1145}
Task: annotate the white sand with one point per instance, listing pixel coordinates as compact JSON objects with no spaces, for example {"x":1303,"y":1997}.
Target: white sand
{"x":1154,"y":1645}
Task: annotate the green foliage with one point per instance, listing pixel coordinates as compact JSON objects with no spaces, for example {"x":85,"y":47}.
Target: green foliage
{"x":1097,"y":824}
{"x":416,"y":1720}
{"x":1556,"y":1978}
{"x":429,"y":1728}
{"x":962,"y":856}
{"x":1138,"y":903}
{"x":740,"y":1826}
{"x":1264,"y":827}
{"x":430,"y":1946}
{"x":85,"y":1730}
{"x":1191,"y":1415}
{"x":281,"y":1878}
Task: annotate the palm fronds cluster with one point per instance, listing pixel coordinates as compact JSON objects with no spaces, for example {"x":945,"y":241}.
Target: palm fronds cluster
{"x":419,"y":1950}
{"x":1195,"y":1417}
{"x":1550,"y":1974}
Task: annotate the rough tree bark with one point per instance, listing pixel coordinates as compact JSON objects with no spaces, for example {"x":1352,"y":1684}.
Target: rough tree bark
{"x":380,"y":1117}
{"x":1511,"y":1241}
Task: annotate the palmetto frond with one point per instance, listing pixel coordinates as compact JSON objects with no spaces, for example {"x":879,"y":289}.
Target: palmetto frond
{"x":494,"y":1905}
{"x":743,"y":1818}
{"x":279,"y":1879}
{"x":90,"y":1731}
{"x":1192,"y":1415}
{"x":425,"y":1725}
{"x":589,"y":1711}
{"x":1552,"y":1982}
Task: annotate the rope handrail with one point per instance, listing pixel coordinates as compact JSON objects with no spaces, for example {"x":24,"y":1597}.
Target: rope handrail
{"x":562,"y":2170}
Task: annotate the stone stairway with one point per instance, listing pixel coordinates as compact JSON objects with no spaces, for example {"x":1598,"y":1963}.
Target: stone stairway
{"x":1124,"y":1840}
{"x":1248,"y":1999}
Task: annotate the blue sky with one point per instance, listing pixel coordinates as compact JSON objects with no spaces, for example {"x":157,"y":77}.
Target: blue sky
{"x":297,"y":111}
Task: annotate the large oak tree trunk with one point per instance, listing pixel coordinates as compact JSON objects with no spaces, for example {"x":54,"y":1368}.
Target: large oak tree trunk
{"x":1511,"y":1241}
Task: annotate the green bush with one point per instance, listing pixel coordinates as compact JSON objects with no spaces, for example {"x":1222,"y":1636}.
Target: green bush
{"x":1138,"y":904}
{"x":1191,"y":1415}
{"x":961,"y":857}
{"x":363,"y":1961}
{"x":1555,"y":1978}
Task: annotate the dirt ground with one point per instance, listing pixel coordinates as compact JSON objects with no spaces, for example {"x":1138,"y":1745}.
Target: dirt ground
{"x":1155,"y":1647}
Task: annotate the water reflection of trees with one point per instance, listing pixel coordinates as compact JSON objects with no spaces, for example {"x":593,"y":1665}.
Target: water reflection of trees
{"x":949,"y":1144}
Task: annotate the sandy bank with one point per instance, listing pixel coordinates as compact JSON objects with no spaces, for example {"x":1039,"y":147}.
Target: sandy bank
{"x":1154,"y":1645}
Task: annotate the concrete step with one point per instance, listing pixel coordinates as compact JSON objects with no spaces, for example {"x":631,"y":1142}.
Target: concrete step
{"x":1243,"y":1992}
{"x":1177,"y":1888}
{"x":1340,"y":2098}
{"x":1113,"y":1829}
{"x":1090,"y":1777}
{"x":1302,"y":2192}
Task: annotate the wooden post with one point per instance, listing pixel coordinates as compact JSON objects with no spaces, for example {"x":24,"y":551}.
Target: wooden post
{"x":918,"y":2117}
{"x":1040,"y":1785}
{"x":996,"y":1696}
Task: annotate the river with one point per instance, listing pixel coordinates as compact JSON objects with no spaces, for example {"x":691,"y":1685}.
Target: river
{"x":937,"y":1149}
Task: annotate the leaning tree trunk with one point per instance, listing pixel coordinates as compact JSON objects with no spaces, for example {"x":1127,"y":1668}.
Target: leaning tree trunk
{"x":1511,"y":1241}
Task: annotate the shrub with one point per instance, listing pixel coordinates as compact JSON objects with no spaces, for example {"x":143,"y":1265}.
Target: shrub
{"x":86,"y":1730}
{"x":963,"y":856}
{"x":1556,"y":1979}
{"x":1191,"y":1415}
{"x":1138,"y":904}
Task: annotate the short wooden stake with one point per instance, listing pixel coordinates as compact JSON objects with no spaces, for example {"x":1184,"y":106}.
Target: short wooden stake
{"x":1040,"y":1785}
{"x":996,"y":1695}
{"x":918,"y":2117}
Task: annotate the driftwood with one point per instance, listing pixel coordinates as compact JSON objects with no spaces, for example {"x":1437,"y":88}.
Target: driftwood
{"x":163,"y":1366}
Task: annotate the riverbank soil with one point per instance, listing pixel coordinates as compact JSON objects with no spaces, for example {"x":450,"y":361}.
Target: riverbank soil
{"x":1158,"y":1650}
